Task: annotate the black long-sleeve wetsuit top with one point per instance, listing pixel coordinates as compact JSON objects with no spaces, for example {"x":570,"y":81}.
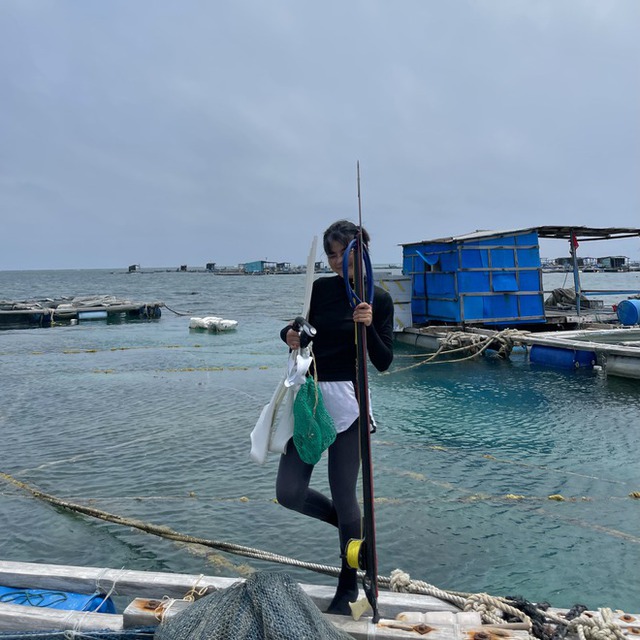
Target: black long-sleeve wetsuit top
{"x":334,"y":345}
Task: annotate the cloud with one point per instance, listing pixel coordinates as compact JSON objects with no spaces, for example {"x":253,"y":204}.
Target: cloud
{"x":230,"y":131}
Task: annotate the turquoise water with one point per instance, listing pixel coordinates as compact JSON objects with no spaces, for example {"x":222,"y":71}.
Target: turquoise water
{"x":152,"y":421}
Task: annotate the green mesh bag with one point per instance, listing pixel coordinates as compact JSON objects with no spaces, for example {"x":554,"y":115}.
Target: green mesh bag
{"x":313,"y":428}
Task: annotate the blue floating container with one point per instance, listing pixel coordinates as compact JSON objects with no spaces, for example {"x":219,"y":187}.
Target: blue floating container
{"x":485,"y":277}
{"x":629,"y":312}
{"x":92,"y":315}
{"x":52,"y":599}
{"x":561,"y":358}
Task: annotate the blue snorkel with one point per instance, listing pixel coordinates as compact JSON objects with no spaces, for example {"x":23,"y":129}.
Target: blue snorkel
{"x":354,"y":299}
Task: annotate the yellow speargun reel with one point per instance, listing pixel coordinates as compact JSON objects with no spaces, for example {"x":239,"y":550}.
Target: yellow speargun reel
{"x":355,"y":554}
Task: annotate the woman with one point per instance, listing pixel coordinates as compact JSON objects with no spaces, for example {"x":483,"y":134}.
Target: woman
{"x":335,"y":362}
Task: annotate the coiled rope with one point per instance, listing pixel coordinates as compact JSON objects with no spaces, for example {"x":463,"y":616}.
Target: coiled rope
{"x":488,"y":606}
{"x":592,"y":628}
{"x":456,"y":341}
{"x":493,"y":609}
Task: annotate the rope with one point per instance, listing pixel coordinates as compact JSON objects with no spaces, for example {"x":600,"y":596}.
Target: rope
{"x":491,"y":608}
{"x":163,"y":608}
{"x":178,"y":313}
{"x":494,"y":610}
{"x":195,"y":593}
{"x":601,"y":627}
{"x":191,"y":596}
{"x":477,"y":343}
{"x":112,"y":589}
{"x":168,"y":533}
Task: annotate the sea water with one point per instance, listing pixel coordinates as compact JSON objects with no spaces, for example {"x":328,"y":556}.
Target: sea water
{"x":150,"y":420}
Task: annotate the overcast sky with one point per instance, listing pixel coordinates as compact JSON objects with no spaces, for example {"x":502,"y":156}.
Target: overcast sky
{"x":168,"y":132}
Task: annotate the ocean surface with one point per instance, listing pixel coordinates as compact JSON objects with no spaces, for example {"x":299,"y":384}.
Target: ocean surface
{"x":150,"y":420}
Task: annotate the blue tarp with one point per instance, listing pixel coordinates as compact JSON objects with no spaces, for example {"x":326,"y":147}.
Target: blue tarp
{"x":54,"y":599}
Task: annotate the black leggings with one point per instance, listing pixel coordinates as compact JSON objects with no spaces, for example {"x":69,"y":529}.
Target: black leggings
{"x":342,"y":510}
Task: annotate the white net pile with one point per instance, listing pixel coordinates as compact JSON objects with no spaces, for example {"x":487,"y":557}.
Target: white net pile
{"x":267,"y":606}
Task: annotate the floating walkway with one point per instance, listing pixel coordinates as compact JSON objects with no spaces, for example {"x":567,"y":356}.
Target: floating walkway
{"x":48,"y":311}
{"x":616,"y":350}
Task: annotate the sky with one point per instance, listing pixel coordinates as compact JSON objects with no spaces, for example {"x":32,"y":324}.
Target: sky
{"x":164,"y":132}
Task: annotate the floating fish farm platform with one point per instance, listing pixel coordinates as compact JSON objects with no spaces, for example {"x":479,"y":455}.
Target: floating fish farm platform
{"x":48,"y":312}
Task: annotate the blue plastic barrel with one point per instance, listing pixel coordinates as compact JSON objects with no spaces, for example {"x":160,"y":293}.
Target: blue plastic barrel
{"x":629,"y":312}
{"x":562,"y":358}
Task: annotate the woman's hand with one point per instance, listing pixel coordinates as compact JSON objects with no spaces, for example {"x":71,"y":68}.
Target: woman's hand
{"x":293,"y":339}
{"x":363,"y":313}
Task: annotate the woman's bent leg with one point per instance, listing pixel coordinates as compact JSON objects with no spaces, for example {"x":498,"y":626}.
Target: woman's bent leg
{"x":293,"y":492}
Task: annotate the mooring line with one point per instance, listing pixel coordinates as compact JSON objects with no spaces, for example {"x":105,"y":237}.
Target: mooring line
{"x":488,"y":456}
{"x":164,"y":531}
{"x":156,"y":347}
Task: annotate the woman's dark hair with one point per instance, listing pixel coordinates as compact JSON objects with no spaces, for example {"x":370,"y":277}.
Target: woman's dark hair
{"x":343,"y":232}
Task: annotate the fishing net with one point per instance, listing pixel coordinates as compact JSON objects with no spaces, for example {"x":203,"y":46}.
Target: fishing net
{"x":142,"y":633}
{"x":313,"y":428}
{"x":267,"y":606}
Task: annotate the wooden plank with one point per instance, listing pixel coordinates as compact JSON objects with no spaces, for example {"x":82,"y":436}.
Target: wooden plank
{"x":16,"y":617}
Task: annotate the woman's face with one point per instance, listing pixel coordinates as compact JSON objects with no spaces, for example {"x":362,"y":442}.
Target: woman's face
{"x":335,"y":256}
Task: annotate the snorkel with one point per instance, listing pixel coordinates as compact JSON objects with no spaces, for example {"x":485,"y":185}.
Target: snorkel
{"x":354,"y":299}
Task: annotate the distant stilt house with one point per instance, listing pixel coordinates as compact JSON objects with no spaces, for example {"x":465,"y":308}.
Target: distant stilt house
{"x":262,"y":267}
{"x":259,"y":267}
{"x":566,"y":262}
{"x":613,"y":263}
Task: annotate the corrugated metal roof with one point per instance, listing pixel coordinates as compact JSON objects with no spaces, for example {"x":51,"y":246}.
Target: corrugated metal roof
{"x":547,"y":231}
{"x":587,"y":233}
{"x":475,"y":235}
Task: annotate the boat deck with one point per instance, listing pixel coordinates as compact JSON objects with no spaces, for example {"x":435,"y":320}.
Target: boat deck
{"x":159,"y":596}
